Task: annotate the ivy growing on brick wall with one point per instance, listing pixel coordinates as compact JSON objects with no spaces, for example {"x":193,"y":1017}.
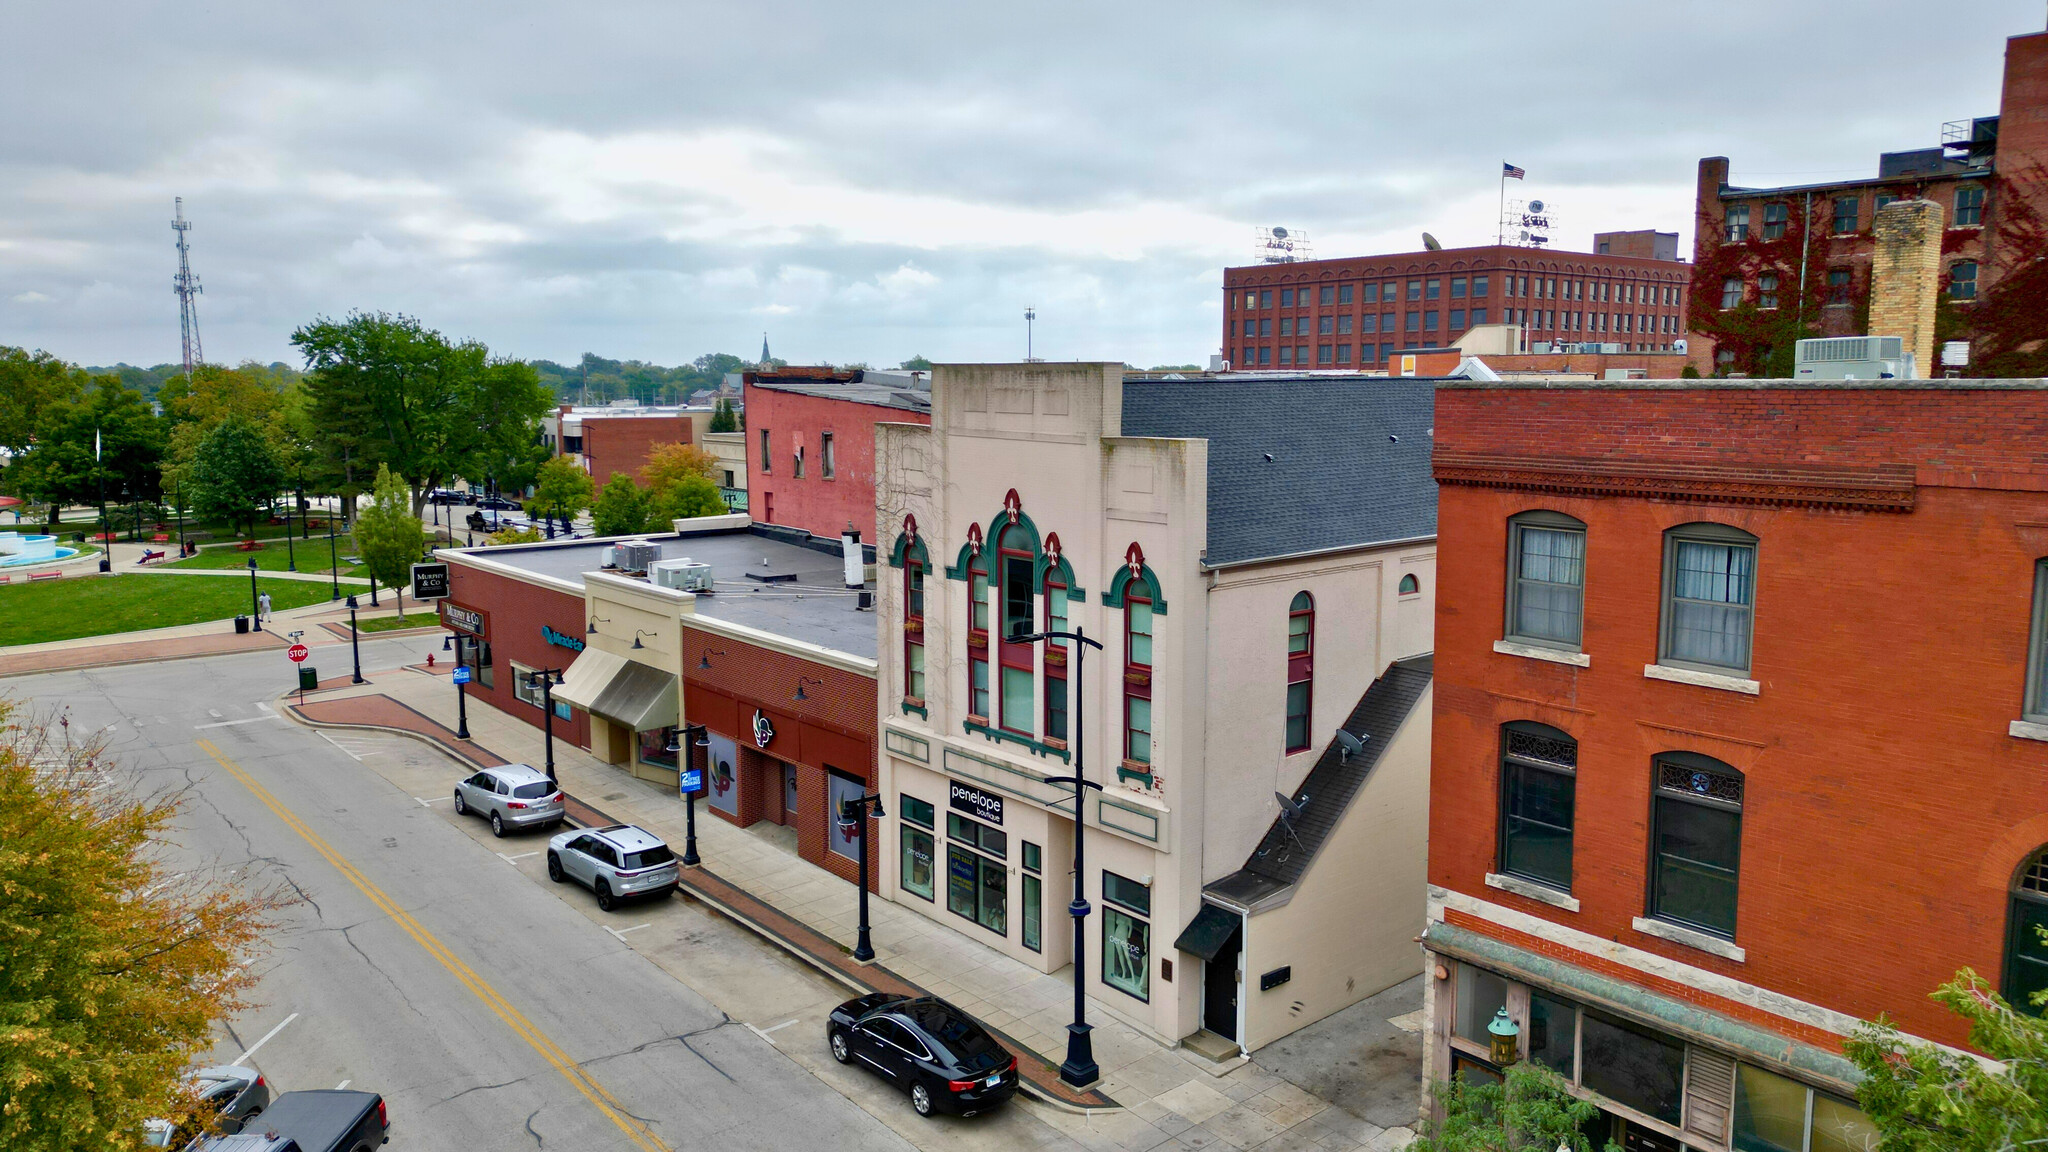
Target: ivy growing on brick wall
{"x":1760,"y":338}
{"x":2008,"y":325}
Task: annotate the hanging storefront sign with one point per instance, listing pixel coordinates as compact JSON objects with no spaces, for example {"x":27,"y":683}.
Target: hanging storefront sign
{"x":976,"y":803}
{"x":561,"y":640}
{"x":462,"y":619}
{"x":764,"y":732}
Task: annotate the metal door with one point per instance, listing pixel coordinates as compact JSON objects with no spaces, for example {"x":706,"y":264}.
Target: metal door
{"x":1219,"y":987}
{"x":789,"y":794}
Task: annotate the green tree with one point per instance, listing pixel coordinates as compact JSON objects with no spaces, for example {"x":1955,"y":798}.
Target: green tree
{"x":916,"y":364}
{"x":64,"y":466}
{"x":561,"y":487}
{"x":1924,"y":1099}
{"x":1530,"y":1112}
{"x":116,"y":962}
{"x":621,"y":507}
{"x":386,"y":389}
{"x":31,"y":384}
{"x":683,"y":499}
{"x":723,"y":418}
{"x":235,"y":473}
{"x":389,"y":536}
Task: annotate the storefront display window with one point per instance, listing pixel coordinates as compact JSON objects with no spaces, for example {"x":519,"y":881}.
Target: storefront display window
{"x":526,"y":686}
{"x":477,"y":654}
{"x":654,"y":747}
{"x":1480,"y":995}
{"x":1634,"y":1066}
{"x":1031,"y":892}
{"x":975,"y":889}
{"x":1126,"y":953}
{"x":916,"y":873}
{"x":722,"y":760}
{"x":1553,"y":1034}
{"x":840,"y":839}
{"x":1775,"y":1114}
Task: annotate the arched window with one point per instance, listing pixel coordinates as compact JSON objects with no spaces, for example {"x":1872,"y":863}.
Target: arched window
{"x":977,"y":639}
{"x":1709,"y":597}
{"x":1546,"y":579}
{"x":1695,"y":842}
{"x":2026,"y":952}
{"x":1410,"y":585}
{"x":1056,"y":599}
{"x":1301,"y":644}
{"x":1138,"y":677}
{"x":1538,"y":789}
{"x":913,"y":629}
{"x":1016,"y":658}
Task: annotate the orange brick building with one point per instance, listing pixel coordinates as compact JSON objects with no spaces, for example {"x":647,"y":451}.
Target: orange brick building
{"x":1739,"y":735}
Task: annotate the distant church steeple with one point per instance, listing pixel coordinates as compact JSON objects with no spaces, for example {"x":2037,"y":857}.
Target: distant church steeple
{"x":765,"y":358}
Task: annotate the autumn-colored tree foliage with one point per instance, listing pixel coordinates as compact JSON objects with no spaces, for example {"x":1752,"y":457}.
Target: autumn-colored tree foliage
{"x":115,"y":965}
{"x":1760,"y":333}
{"x":2010,"y":318}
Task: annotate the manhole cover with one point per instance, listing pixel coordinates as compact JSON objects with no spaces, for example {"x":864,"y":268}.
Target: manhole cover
{"x":615,"y":795}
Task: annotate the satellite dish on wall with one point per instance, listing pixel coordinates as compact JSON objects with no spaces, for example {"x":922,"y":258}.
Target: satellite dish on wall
{"x":1430,"y":242}
{"x":1279,"y":233}
{"x":1535,"y":205}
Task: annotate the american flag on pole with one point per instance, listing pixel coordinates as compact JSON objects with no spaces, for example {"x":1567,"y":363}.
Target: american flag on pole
{"x":1510,"y":172}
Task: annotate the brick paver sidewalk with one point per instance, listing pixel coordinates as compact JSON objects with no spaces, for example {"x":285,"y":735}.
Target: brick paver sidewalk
{"x":379,"y":711}
{"x":137,"y":652}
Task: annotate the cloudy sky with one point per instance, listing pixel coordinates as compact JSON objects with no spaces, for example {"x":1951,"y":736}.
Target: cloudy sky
{"x":873,"y":181}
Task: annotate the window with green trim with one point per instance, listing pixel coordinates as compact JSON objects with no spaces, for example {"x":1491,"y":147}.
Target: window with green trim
{"x":1137,"y":675}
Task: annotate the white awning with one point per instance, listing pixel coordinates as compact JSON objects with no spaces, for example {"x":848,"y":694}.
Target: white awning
{"x":640,"y":696}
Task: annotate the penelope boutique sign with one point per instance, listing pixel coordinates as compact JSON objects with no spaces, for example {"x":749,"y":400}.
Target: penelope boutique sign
{"x":973,"y":801}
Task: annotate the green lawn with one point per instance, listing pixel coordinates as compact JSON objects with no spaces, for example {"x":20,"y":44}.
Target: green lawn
{"x":273,"y":556}
{"x":415,"y":617}
{"x":95,"y":606}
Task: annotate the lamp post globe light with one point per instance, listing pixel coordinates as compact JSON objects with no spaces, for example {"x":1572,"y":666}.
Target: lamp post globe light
{"x":1080,"y":1069}
{"x":354,"y":641}
{"x":850,"y":813}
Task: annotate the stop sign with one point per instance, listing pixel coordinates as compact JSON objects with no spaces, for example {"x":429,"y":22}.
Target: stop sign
{"x":298,"y":653}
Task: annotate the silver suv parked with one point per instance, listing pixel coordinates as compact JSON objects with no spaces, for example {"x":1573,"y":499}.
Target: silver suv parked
{"x":615,"y":862}
{"x":510,"y":796}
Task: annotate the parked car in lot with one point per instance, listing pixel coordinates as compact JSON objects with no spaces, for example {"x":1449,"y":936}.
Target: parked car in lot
{"x":616,"y":863}
{"x":229,"y":1091}
{"x":498,"y":504}
{"x":322,"y":1120}
{"x":510,"y":796}
{"x":938,"y":1054}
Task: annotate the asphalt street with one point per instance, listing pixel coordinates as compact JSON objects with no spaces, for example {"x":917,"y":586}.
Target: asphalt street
{"x":489,"y":1012}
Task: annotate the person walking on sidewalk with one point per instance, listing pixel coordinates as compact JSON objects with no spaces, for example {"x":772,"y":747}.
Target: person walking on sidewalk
{"x":263,"y":606}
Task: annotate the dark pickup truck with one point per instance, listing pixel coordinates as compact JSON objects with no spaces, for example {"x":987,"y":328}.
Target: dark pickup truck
{"x":324,"y":1120}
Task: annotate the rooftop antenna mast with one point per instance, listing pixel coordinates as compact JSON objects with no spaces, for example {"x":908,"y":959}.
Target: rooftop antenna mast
{"x":1030,"y":315}
{"x":186,"y":285}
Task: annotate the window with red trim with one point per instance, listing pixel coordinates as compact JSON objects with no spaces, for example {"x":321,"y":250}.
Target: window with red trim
{"x":1137,"y":675}
{"x":1055,"y":658}
{"x":977,"y":640}
{"x":1015,"y":659}
{"x":1301,"y":643}
{"x":913,"y":629}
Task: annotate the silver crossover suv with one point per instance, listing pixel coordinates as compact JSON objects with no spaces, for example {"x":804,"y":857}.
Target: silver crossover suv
{"x":510,"y":796}
{"x":615,"y":862}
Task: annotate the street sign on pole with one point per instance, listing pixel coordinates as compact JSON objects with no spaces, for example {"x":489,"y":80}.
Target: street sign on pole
{"x":690,"y":780}
{"x":462,"y":673}
{"x":429,"y":581}
{"x":297,"y":653}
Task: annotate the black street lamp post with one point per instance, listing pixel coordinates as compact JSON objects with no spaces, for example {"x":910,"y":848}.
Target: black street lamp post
{"x":291,"y":558}
{"x":547,"y":678}
{"x":850,"y":813}
{"x":99,"y":467}
{"x":255,"y":603}
{"x":354,"y":645}
{"x":461,"y":693}
{"x":682,"y":743}
{"x":178,"y":506}
{"x":1080,"y":1070}
{"x":334,"y":563}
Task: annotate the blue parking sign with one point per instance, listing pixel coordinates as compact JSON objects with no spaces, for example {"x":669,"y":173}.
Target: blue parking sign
{"x":690,"y":780}
{"x":462,"y":673}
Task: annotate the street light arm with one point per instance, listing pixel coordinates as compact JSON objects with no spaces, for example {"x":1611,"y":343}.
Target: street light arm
{"x":1035,"y":637}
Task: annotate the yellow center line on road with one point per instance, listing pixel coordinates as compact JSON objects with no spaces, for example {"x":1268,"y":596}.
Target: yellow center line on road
{"x":605,"y":1102}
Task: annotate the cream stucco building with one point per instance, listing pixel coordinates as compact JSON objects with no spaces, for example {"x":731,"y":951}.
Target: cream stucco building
{"x":1256,"y":558}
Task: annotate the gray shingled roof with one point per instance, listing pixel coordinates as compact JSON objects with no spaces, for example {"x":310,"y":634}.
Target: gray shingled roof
{"x":1350,"y":457}
{"x":1282,"y":858}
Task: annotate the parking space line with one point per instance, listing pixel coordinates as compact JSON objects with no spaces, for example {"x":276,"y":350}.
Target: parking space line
{"x":232,"y":723}
{"x":343,"y":1084}
{"x":431,"y":803}
{"x":251,"y":1049}
{"x":621,"y":932}
{"x":337,"y":744}
{"x":522,"y":856}
{"x":600,"y":1098}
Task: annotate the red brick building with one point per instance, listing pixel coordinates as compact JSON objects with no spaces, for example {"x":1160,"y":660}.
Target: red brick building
{"x":619,"y":437}
{"x":509,"y":624}
{"x":1767,"y":260}
{"x":1354,"y":313}
{"x":811,"y":442}
{"x":1739,"y":734}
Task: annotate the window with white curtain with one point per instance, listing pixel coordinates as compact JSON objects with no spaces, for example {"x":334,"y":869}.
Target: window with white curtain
{"x":1709,"y":597}
{"x":1546,"y":579}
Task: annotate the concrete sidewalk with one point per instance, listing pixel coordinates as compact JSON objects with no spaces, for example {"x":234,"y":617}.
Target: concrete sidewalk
{"x":1169,"y":1098}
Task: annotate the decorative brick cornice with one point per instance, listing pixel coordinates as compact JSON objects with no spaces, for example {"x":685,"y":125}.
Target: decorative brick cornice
{"x":1875,"y":488}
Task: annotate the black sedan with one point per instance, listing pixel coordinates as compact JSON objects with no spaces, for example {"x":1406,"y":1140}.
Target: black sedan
{"x":934,"y":1051}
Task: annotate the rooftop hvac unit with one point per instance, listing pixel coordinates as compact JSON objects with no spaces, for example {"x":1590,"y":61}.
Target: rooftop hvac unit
{"x":685,"y":575}
{"x":636,"y":557}
{"x":1852,"y":358}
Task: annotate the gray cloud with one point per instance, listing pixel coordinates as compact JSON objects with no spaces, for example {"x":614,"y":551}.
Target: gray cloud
{"x":658,"y":180}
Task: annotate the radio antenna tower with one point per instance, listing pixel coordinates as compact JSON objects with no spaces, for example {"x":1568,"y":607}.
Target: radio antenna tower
{"x":186,"y":285}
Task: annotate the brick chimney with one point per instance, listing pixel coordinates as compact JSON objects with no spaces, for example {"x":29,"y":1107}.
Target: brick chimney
{"x":1905,"y":273}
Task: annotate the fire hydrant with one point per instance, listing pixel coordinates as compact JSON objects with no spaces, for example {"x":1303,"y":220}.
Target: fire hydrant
{"x":430,"y":660}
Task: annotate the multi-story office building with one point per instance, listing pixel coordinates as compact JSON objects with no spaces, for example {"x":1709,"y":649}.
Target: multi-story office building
{"x":1741,"y":735}
{"x":1259,"y":589}
{"x":1354,"y":313}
